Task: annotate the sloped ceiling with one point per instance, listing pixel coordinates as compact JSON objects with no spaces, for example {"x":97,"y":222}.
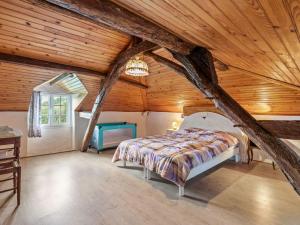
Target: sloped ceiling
{"x":261,"y":36}
{"x":258,"y":36}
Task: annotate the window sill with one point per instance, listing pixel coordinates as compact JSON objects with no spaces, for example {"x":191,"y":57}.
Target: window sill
{"x":55,"y":127}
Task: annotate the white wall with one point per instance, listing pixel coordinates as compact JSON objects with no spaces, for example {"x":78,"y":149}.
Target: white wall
{"x":17,"y":120}
{"x":159,"y":122}
{"x":53,"y":140}
{"x":60,"y":139}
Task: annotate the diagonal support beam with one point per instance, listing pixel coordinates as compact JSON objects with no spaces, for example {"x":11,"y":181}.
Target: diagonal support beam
{"x":282,"y":154}
{"x":107,"y":84}
{"x":289,"y":129}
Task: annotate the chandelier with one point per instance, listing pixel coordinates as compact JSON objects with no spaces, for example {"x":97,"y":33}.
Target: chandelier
{"x":137,"y":67}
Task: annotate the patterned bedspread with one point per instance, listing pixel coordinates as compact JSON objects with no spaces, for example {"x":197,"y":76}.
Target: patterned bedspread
{"x":173,"y":155}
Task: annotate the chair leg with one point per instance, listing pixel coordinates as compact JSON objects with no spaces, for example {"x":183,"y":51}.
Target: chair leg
{"x":15,"y":182}
{"x":273,"y":164}
{"x":18,"y":185}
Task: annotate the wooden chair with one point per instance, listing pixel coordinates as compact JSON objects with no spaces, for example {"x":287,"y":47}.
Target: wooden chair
{"x":13,"y":168}
{"x":10,"y":168}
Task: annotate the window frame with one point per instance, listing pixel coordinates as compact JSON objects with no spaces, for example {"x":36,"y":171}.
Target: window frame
{"x":51,"y":107}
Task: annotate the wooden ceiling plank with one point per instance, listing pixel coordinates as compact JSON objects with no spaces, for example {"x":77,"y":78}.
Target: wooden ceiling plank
{"x":119,"y":18}
{"x":217,"y":42}
{"x":256,"y":15}
{"x":51,"y":65}
{"x":33,"y":21}
{"x":244,"y":45}
{"x":53,"y":37}
{"x":70,"y":17}
{"x":14,"y":40}
{"x":263,"y":52}
{"x":280,"y":14}
{"x":177,"y":68}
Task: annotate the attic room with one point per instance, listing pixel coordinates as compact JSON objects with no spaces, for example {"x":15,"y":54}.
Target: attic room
{"x":149,"y":112}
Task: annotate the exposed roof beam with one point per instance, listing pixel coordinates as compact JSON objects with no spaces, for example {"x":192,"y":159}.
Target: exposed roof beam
{"x":285,"y":157}
{"x":66,"y":68}
{"x":169,"y":63}
{"x":110,"y":14}
{"x":107,"y":84}
{"x":281,"y":129}
{"x":221,"y":66}
{"x":258,"y":131}
{"x":289,"y":129}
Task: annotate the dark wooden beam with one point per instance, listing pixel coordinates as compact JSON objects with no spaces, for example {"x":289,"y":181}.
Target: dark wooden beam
{"x":280,"y":129}
{"x":61,"y":67}
{"x":107,"y":84}
{"x":288,"y":129}
{"x":108,"y":13}
{"x":168,"y":63}
{"x":220,"y":65}
{"x":285,"y":157}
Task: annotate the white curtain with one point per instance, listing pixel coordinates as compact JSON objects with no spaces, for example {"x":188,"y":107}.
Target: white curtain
{"x":34,"y":128}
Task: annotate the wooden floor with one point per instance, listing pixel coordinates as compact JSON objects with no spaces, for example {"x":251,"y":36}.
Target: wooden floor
{"x":87,"y":189}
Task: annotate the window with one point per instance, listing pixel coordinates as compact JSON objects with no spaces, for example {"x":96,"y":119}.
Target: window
{"x":55,"y":110}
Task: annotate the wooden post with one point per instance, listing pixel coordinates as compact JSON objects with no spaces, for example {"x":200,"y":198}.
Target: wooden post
{"x":107,"y":84}
{"x":282,"y":154}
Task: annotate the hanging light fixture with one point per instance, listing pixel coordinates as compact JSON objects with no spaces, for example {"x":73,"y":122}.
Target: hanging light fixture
{"x":137,"y":67}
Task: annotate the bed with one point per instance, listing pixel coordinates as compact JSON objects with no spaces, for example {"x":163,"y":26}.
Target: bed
{"x":203,"y":141}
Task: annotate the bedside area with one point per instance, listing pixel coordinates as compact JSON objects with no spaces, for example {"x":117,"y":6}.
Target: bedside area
{"x":255,"y":153}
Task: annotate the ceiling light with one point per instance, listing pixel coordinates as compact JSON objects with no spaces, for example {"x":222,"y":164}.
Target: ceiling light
{"x":136,"y":67}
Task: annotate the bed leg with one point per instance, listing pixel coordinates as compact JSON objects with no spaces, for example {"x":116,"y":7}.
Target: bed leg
{"x":237,"y":158}
{"x":145,"y":172}
{"x":148,"y":174}
{"x":181,"y":191}
{"x":124,"y":163}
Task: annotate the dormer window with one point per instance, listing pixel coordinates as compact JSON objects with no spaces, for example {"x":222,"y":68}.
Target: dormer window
{"x":56,"y":110}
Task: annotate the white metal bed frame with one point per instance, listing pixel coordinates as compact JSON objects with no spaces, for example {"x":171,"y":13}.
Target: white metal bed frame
{"x":210,"y":121}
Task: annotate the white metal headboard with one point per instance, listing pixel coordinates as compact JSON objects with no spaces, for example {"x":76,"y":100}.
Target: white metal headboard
{"x":214,"y":121}
{"x":209,"y":121}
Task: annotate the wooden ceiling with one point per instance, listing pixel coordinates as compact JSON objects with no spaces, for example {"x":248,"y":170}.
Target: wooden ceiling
{"x":169,"y":91}
{"x":40,"y":33}
{"x":260,"y":37}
